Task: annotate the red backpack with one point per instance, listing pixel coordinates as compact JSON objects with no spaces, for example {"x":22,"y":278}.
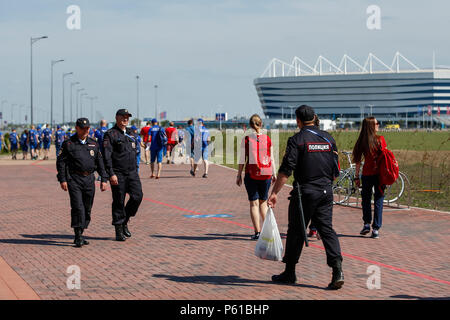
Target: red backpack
{"x":387,"y":167}
{"x":257,"y":148}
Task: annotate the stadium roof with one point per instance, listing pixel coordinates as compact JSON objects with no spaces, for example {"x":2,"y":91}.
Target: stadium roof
{"x":347,"y":65}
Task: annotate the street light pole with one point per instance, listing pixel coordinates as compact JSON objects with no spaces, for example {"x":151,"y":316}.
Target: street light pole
{"x":3,"y":114}
{"x":92,"y":107}
{"x":156,"y":101}
{"x":32,"y":41}
{"x":51,"y":92}
{"x":12,"y":110}
{"x":137,"y":100}
{"x":78,"y":92}
{"x":63,"y":96}
{"x":81,"y":103}
{"x":71,"y":99}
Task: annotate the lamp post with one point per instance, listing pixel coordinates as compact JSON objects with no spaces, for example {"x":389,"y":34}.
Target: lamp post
{"x":81,"y":103}
{"x":78,"y":92}
{"x":12,"y":111}
{"x":32,"y":41}
{"x":156,"y":101}
{"x":92,"y":107}
{"x":137,"y":100}
{"x":71,"y":99}
{"x":63,"y":96}
{"x":51,"y":92}
{"x":3,"y":112}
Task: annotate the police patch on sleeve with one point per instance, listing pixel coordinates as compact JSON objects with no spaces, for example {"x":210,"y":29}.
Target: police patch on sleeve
{"x":92,"y":152}
{"x":318,"y":147}
{"x":133,"y":145}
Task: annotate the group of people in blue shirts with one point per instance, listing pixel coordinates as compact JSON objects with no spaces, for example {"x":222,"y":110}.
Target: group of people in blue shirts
{"x":35,"y":140}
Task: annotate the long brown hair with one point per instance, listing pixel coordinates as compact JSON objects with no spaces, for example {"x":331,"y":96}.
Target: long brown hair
{"x":368,"y":140}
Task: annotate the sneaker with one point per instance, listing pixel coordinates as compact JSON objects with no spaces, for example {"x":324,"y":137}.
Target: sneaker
{"x":256,"y":236}
{"x":205,"y":175}
{"x":192,"y":173}
{"x":375,"y":234}
{"x":285,"y":278}
{"x":365,"y":230}
{"x":312,"y":233}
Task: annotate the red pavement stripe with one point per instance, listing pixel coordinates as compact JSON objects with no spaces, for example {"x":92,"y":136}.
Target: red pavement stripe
{"x":424,"y":276}
{"x":420,"y":275}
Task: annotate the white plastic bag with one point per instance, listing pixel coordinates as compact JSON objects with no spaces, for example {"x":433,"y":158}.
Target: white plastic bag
{"x":269,"y":245}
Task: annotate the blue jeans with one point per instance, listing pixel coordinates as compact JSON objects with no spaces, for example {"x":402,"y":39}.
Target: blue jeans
{"x":369,"y":182}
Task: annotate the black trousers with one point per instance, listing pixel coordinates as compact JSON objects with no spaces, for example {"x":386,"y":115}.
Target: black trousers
{"x":318,"y":208}
{"x":81,"y":192}
{"x":131,"y":184}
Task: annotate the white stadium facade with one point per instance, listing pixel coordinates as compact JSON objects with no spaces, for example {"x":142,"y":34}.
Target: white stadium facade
{"x":350,"y":91}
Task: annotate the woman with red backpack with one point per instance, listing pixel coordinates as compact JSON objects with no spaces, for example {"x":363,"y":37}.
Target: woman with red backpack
{"x":257,"y":157}
{"x":370,"y":145}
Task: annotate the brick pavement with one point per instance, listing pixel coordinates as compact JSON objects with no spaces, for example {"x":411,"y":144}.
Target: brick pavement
{"x":171,"y":256}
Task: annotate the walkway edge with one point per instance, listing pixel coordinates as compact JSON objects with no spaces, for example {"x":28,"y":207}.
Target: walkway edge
{"x":12,"y":286}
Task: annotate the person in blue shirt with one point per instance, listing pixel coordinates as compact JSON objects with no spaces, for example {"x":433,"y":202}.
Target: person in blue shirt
{"x":99,"y":133}
{"x":60,"y":136}
{"x":13,"y":141}
{"x":33,"y":142}
{"x":1,"y":141}
{"x":156,"y":148}
{"x":139,"y":145}
{"x":40,"y":142}
{"x":68,"y":133}
{"x":190,"y":129}
{"x":201,"y":142}
{"x":46,"y":140}
{"x":91,"y":133}
{"x":24,"y":141}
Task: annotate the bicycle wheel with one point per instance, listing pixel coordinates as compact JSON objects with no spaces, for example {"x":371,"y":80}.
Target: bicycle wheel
{"x":394,"y":191}
{"x":342,"y":187}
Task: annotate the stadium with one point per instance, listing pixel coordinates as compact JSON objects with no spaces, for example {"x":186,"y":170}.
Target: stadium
{"x":400,"y":93}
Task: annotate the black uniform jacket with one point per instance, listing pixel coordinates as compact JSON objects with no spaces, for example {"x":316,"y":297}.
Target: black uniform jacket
{"x":311,"y":157}
{"x":77,"y":158}
{"x":119,"y":151}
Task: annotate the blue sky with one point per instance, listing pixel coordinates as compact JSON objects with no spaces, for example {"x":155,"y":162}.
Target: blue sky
{"x":201,"y":54}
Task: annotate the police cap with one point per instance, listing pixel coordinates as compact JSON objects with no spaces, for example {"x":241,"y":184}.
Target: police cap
{"x":123,"y":112}
{"x":83,"y":123}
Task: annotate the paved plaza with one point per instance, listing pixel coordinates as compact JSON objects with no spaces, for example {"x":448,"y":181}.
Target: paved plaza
{"x":191,"y":240}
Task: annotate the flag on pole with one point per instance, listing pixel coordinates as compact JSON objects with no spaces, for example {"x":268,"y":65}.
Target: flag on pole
{"x":448,"y":110}
{"x":439,"y":111}
{"x":163,"y":115}
{"x":429,"y":110}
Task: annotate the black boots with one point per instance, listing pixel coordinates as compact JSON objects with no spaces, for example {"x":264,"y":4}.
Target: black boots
{"x":78,"y":238}
{"x":119,"y":233}
{"x":287,"y":276}
{"x":126,"y":232}
{"x":337,"y":281}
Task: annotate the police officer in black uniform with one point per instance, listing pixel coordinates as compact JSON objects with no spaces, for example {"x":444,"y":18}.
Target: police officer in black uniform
{"x":312,"y":155}
{"x":120,"y":163}
{"x":77,"y":160}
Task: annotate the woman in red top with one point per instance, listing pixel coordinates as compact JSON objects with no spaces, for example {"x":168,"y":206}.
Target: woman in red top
{"x":257,"y":157}
{"x":369,"y":145}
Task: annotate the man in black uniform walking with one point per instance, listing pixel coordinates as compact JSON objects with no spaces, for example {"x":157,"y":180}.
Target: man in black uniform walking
{"x":312,"y":155}
{"x":79,"y":157}
{"x":120,"y":146}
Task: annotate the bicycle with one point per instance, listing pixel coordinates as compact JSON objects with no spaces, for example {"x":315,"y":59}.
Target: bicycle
{"x":344,"y":186}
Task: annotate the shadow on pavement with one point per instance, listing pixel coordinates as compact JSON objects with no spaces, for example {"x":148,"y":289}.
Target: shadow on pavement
{"x":405,"y":296}
{"x":61,"y":236}
{"x":226,"y":280}
{"x":351,"y":236}
{"x":40,"y":242}
{"x":208,"y":237}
